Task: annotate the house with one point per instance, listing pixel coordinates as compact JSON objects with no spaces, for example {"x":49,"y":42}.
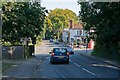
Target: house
{"x":65,"y":36}
{"x":74,"y":33}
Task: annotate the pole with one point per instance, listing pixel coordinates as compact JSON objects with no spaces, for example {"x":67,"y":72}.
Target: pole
{"x":86,"y":44}
{"x":58,"y":34}
{"x":0,"y":33}
{"x":0,"y":22}
{"x":44,"y":31}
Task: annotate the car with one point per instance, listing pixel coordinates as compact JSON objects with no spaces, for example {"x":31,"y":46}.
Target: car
{"x":70,"y":50}
{"x":51,"y":40}
{"x":56,"y":42}
{"x":59,"y":55}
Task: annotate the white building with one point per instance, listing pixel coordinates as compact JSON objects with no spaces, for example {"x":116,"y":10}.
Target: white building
{"x":73,"y":33}
{"x":65,"y":36}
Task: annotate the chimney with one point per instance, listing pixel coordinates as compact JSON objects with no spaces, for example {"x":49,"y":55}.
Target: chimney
{"x":71,"y":23}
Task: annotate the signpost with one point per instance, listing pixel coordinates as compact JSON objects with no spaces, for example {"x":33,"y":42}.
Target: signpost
{"x":25,"y":46}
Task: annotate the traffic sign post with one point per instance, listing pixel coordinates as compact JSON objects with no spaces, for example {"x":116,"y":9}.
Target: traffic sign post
{"x":25,"y":46}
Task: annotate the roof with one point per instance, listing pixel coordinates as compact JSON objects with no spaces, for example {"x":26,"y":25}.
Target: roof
{"x":78,"y":25}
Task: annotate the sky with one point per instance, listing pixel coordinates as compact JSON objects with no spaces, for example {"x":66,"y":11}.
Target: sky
{"x":64,"y":4}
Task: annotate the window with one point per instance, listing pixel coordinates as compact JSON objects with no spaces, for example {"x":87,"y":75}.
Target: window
{"x":59,"y":50}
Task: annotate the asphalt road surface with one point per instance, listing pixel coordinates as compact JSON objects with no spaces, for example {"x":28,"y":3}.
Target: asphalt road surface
{"x":79,"y":67}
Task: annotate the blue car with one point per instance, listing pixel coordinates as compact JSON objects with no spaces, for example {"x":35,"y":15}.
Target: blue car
{"x":56,"y":42}
{"x":51,"y":40}
{"x":59,"y":55}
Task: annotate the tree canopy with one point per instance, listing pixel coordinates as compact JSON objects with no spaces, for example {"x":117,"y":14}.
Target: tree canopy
{"x":58,"y":19}
{"x":22,"y":20}
{"x":106,"y":19}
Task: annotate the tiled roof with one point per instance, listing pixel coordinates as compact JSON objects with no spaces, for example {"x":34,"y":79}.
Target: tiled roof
{"x":78,"y":25}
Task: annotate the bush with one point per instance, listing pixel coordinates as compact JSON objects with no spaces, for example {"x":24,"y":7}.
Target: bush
{"x":108,"y":50}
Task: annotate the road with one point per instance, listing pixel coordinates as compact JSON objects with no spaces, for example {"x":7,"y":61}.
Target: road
{"x":79,"y":67}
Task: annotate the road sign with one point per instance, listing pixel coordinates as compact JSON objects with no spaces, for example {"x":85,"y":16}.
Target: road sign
{"x":25,"y":39}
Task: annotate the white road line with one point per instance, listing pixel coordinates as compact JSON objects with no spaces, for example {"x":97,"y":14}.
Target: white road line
{"x":82,"y":68}
{"x":70,"y":60}
{"x":60,"y":74}
{"x":77,"y":65}
{"x":88,"y":71}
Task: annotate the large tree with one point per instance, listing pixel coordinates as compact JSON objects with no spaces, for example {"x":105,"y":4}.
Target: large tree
{"x":106,"y":19}
{"x":22,"y":20}
{"x":59,"y":18}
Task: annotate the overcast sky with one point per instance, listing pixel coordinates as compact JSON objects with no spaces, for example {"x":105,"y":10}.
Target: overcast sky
{"x":64,"y":4}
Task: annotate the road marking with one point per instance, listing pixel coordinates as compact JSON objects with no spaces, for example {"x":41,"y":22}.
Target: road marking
{"x":77,"y":65}
{"x":60,"y":74}
{"x":83,"y":68}
{"x":88,"y":71}
{"x":71,"y":60}
{"x":5,"y":76}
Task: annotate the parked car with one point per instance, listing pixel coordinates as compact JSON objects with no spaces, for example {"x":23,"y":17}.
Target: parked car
{"x":56,"y":42}
{"x":70,"y":50}
{"x":51,"y":40}
{"x":59,"y":55}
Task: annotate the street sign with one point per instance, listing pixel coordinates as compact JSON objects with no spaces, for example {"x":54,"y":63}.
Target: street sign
{"x":25,"y":39}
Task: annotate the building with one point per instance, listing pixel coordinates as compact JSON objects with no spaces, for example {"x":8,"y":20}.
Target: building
{"x":65,"y":36}
{"x":74,"y":33}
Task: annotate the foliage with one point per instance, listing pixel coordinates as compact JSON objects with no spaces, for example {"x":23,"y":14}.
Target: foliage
{"x":57,"y":20}
{"x":47,"y":27}
{"x":106,"y":19}
{"x":22,"y":20}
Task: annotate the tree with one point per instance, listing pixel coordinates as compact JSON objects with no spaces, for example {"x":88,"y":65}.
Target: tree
{"x":22,"y":20}
{"x":59,"y":18}
{"x":47,"y":27}
{"x":105,"y":18}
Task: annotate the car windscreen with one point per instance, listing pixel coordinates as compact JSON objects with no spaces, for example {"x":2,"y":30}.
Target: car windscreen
{"x":60,"y":52}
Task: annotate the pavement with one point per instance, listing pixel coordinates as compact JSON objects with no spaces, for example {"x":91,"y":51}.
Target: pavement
{"x":25,"y":68}
{"x":88,"y":55}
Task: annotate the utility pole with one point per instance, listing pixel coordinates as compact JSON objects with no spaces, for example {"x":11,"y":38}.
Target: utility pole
{"x":0,"y":24}
{"x":0,"y":43}
{"x":0,"y":33}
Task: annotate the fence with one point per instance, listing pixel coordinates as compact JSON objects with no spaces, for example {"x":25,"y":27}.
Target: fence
{"x":12,"y":52}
